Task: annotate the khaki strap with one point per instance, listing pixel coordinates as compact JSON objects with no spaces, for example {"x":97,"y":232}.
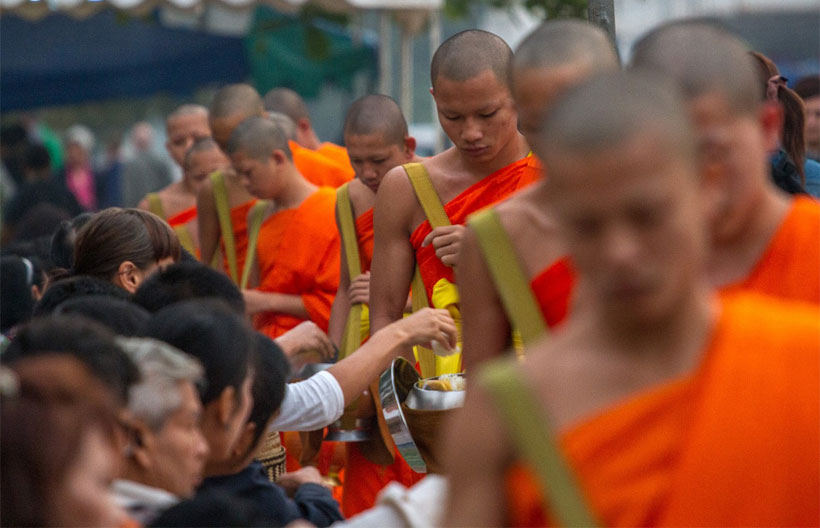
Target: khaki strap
{"x":155,"y":205}
{"x":534,"y":441}
{"x":223,"y":212}
{"x":508,"y":275}
{"x":256,"y":216}
{"x":434,"y":211}
{"x":351,"y":340}
{"x":184,"y":236}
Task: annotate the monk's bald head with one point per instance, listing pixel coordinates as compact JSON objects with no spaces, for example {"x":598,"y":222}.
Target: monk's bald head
{"x":467,"y":54}
{"x":611,"y":110}
{"x":285,"y":123}
{"x":258,"y":137}
{"x":231,"y":105}
{"x":288,"y":102}
{"x":376,"y":114}
{"x":703,"y":59}
{"x":187,"y":110}
{"x":200,"y":145}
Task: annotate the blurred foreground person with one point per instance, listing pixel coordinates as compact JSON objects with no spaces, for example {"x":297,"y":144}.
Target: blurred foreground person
{"x":762,"y":240}
{"x":58,"y":449}
{"x":657,"y":387}
{"x":145,"y":172}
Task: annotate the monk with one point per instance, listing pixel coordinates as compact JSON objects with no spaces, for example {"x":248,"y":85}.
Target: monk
{"x":762,"y":239}
{"x":297,"y":256}
{"x":376,"y":137}
{"x":176,"y":203}
{"x":307,"y":143}
{"x":488,"y":162}
{"x":659,"y":403}
{"x":555,"y":56}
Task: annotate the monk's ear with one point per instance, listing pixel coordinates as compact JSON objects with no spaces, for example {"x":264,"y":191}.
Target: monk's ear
{"x":432,"y":92}
{"x":303,"y":124}
{"x":128,"y":276}
{"x":279,"y":157}
{"x":409,"y":146}
{"x":771,"y":123}
{"x":226,"y":404}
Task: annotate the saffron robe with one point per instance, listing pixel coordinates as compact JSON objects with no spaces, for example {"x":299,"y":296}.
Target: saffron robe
{"x":239,"y":223}
{"x":335,"y":152}
{"x":734,"y":443}
{"x":553,"y":289}
{"x":319,"y":169}
{"x":298,"y":254}
{"x":789,"y":268}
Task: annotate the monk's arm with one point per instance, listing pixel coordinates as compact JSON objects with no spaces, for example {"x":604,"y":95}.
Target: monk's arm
{"x":393,"y":256}
{"x":341,"y":304}
{"x":207,"y":222}
{"x":357,"y":371}
{"x":476,"y":461}
{"x":257,"y":301}
{"x":484,"y":326}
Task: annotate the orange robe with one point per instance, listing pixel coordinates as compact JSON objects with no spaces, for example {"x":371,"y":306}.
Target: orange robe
{"x":790,"y":266}
{"x":553,"y":289}
{"x":484,"y":193}
{"x":364,"y":479}
{"x":335,"y":152}
{"x":298,"y":254}
{"x":183,"y":217}
{"x":735,"y":443}
{"x":239,"y":221}
{"x":319,"y":169}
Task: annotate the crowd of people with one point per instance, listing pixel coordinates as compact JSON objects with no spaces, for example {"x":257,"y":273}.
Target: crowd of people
{"x":621,"y":260}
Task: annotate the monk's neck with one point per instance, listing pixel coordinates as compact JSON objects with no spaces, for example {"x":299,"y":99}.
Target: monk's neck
{"x":735,"y":252}
{"x":513,"y":151}
{"x":187,"y":188}
{"x":295,"y":191}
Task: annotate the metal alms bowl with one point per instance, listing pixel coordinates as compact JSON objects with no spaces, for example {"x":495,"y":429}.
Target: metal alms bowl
{"x":432,"y":400}
{"x":395,"y":384}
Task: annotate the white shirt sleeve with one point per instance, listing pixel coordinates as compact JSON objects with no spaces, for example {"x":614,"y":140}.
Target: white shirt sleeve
{"x":310,"y":404}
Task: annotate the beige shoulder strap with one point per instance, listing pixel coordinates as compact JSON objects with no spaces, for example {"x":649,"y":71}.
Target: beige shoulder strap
{"x":223,"y":212}
{"x":256,"y":216}
{"x":351,"y":340}
{"x":155,"y":205}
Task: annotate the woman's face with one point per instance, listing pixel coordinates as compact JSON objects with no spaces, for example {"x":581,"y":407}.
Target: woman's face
{"x":85,"y":499}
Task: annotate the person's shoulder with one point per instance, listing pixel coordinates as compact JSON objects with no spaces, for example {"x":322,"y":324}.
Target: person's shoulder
{"x":773,"y":321}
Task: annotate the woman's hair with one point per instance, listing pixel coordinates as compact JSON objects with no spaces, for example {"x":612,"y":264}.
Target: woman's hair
{"x":116,"y":235}
{"x":45,"y":424}
{"x":62,"y":241}
{"x":794,"y":112}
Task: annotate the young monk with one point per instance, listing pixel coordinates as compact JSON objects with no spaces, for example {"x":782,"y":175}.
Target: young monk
{"x":554,"y":57}
{"x":176,"y":203}
{"x":762,"y":239}
{"x":488,"y":162}
{"x":666,"y":404}
{"x":377,"y":140}
{"x":292,"y":105}
{"x":297,"y":256}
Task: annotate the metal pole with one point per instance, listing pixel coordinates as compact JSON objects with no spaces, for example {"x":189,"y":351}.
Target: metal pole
{"x":435,"y":42}
{"x":406,"y":92}
{"x":602,"y":13}
{"x":385,"y":54}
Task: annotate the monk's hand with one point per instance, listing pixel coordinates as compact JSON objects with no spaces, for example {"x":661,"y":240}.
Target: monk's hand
{"x":306,"y":343}
{"x":359,"y":291}
{"x":446,"y":241}
{"x":428,"y":325}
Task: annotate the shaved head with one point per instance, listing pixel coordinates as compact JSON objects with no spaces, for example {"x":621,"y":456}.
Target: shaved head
{"x":286,"y":101}
{"x":376,"y":114}
{"x":236,"y":99}
{"x":610,"y":110}
{"x":467,"y":54}
{"x":285,"y":123}
{"x":187,"y":110}
{"x":201,"y":145}
{"x":703,"y":59}
{"x":556,"y":43}
{"x":258,"y":137}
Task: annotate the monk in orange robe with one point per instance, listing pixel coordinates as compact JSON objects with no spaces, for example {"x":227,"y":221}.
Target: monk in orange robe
{"x":488,"y":162}
{"x":554,"y":57}
{"x":762,"y":239}
{"x":177,"y":202}
{"x":377,"y":140}
{"x":664,"y":403}
{"x":297,"y":252}
{"x":320,"y":163}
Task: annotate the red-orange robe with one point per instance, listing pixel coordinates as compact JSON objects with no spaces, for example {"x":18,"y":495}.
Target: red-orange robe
{"x":789,"y":268}
{"x":735,"y":443}
{"x":239,"y":221}
{"x":335,"y":152}
{"x":182,"y":217}
{"x":364,"y":479}
{"x":298,"y":254}
{"x":319,"y":169}
{"x":484,"y":193}
{"x":553,"y":289}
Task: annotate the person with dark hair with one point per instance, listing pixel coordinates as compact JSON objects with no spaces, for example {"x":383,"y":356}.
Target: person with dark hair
{"x":40,"y":221}
{"x":17,"y":291}
{"x":763,"y":240}
{"x":245,"y":478}
{"x":63,"y":239}
{"x":223,"y":343}
{"x":808,"y":88}
{"x":124,"y":247}
{"x":121,"y":316}
{"x":187,"y":280}
{"x":39,"y":187}
{"x":71,"y":287}
{"x":87,"y":340}
{"x":59,"y":447}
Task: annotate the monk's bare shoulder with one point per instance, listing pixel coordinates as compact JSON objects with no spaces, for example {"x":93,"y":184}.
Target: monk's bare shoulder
{"x":397,"y":198}
{"x":361,"y":197}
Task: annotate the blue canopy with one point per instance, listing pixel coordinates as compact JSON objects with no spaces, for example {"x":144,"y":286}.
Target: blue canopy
{"x":60,"y":60}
